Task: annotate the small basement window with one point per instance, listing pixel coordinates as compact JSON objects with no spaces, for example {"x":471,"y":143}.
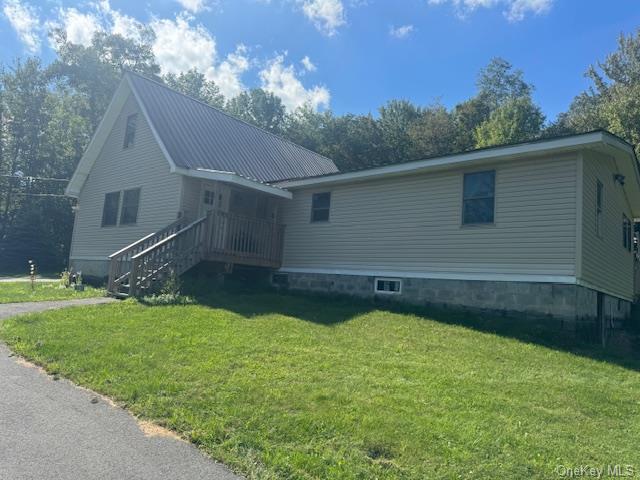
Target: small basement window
{"x":320,"y":206}
{"x":130,"y":130}
{"x":130,"y":203}
{"x":110,"y":209}
{"x":280,"y":279}
{"x":388,"y":285}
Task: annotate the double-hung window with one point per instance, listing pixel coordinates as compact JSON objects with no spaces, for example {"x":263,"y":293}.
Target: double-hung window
{"x":478,"y":198}
{"x":130,"y":203}
{"x":110,"y":209}
{"x":320,"y":206}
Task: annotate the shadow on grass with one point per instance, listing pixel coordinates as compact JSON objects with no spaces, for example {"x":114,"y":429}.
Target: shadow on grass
{"x":251,"y":299}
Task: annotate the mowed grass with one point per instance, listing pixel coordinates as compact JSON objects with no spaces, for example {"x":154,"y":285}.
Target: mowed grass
{"x":292,"y":387}
{"x":21,"y":291}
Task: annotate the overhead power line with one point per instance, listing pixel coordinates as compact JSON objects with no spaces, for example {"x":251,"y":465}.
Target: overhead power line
{"x":36,"y":178}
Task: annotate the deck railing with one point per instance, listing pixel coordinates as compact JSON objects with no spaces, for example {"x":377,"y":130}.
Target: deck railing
{"x":244,"y":240}
{"x":175,"y":254}
{"x":120,"y":261}
{"x":218,"y":236}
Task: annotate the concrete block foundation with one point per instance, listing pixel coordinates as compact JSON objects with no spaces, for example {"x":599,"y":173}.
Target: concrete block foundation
{"x":574,"y":307}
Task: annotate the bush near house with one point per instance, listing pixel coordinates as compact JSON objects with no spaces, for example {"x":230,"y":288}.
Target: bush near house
{"x":281,"y":386}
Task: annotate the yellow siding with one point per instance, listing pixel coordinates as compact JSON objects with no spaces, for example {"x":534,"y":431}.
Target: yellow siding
{"x":413,"y":224}
{"x":142,"y":165}
{"x":606,"y":264}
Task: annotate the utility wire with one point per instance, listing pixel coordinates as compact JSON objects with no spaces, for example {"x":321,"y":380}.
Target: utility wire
{"x":36,"y":178}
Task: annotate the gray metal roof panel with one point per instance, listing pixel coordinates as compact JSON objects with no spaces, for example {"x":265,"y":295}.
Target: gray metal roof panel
{"x":199,"y":136}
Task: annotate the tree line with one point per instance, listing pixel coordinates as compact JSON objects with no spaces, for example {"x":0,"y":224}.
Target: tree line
{"x":48,"y":114}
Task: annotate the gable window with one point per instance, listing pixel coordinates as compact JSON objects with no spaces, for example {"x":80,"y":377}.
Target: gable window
{"x":627,"y":233}
{"x":130,"y":201}
{"x":599,"y":206}
{"x":110,"y":209}
{"x":320,"y":206}
{"x":388,"y":285}
{"x":130,"y":130}
{"x":478,"y":198}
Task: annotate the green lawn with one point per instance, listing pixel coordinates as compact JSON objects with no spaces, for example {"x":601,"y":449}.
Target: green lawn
{"x":294,"y":387}
{"x":22,"y":292}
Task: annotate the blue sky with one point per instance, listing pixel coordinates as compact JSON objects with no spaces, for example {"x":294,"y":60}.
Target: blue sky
{"x":348,"y":55}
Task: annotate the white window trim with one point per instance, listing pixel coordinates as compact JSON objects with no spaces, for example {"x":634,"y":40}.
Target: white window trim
{"x":387,"y":279}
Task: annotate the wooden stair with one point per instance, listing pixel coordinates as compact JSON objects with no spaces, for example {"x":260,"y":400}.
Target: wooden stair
{"x":142,"y":267}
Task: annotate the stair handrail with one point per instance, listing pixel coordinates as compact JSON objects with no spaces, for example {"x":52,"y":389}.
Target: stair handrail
{"x":124,"y":250}
{"x":136,"y":260}
{"x":168,"y":238}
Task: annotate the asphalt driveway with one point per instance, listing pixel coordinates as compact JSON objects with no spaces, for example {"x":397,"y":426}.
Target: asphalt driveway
{"x":55,"y":430}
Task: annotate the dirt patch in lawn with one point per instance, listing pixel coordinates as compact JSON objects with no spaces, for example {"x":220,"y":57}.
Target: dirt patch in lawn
{"x":152,"y":430}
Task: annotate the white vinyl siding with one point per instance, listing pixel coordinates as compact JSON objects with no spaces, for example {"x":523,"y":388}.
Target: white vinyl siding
{"x":143,"y":166}
{"x":606,"y":263}
{"x":412,"y":224}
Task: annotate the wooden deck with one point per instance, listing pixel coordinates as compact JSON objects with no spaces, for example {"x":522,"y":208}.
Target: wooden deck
{"x":218,"y":237}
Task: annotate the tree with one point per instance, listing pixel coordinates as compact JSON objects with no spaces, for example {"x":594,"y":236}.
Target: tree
{"x":194,"y":84}
{"x":395,"y":121}
{"x":434,"y":133}
{"x":95,"y":71}
{"x":467,"y":116}
{"x":612,"y":102}
{"x":307,"y":127}
{"x":354,"y":142}
{"x":259,"y":107}
{"x":32,"y":225}
{"x":516,"y":120}
{"x":498,"y":82}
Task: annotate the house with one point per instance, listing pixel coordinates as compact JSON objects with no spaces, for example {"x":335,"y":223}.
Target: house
{"x":543,"y":227}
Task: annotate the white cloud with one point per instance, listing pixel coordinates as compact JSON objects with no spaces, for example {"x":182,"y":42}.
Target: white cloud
{"x":281,"y":80}
{"x":193,"y":6}
{"x":308,"y":64}
{"x":326,"y":15}
{"x":402,"y":31}
{"x":24,"y":20}
{"x":519,"y":8}
{"x":120,"y":23}
{"x":514,"y":10}
{"x":180,"y":46}
{"x":228,"y":73}
{"x":79,"y":27}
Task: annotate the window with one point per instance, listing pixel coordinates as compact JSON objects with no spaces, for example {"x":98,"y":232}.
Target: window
{"x":478,"y":200}
{"x":388,"y":285}
{"x":627,"y":233}
{"x":130,"y":130}
{"x":209,"y":197}
{"x":320,"y":205}
{"x":599,"y":206}
{"x":110,"y":209}
{"x":130,"y":201}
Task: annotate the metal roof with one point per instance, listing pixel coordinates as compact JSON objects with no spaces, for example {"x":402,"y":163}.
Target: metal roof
{"x":198,"y":136}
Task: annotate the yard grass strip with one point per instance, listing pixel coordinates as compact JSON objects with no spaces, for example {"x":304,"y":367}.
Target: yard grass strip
{"x":280,"y":386}
{"x":21,"y":291}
